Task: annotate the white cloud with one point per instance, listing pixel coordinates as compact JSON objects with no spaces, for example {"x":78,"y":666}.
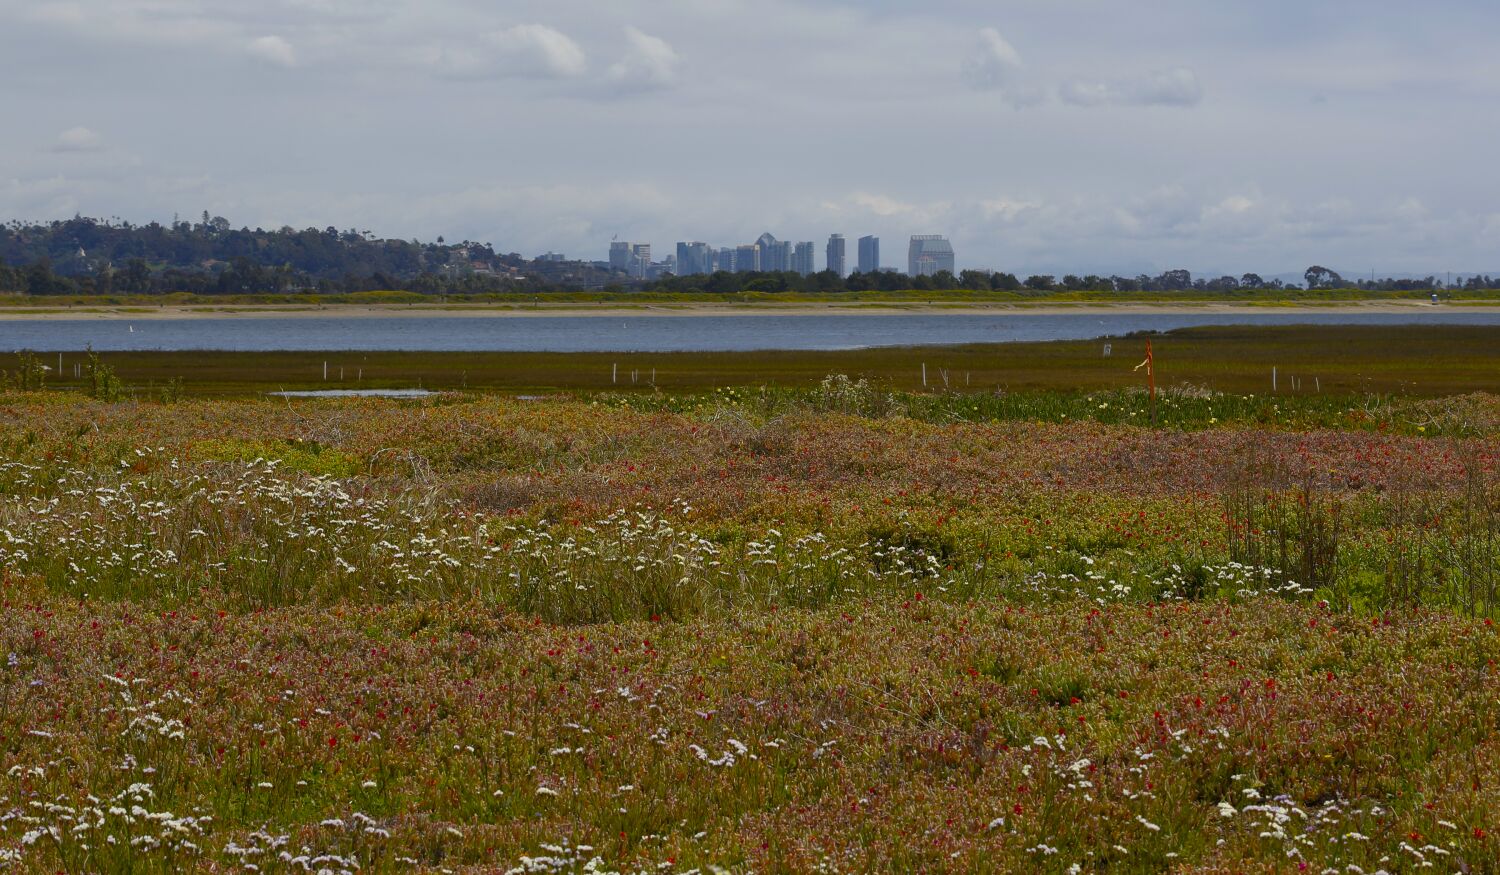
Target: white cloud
{"x":993,"y":64}
{"x":538,"y":50}
{"x":649,"y":62}
{"x":1006,"y":209}
{"x":1178,"y":86}
{"x":274,"y":50}
{"x":779,"y":112}
{"x":78,"y":139}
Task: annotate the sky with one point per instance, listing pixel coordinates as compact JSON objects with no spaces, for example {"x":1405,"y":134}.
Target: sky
{"x":1048,"y":136}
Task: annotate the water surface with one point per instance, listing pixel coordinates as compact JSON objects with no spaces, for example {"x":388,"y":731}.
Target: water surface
{"x":727,"y":333}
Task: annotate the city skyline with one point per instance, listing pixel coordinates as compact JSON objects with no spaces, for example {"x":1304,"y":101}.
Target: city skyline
{"x":929,"y":254}
{"x":1094,"y":137}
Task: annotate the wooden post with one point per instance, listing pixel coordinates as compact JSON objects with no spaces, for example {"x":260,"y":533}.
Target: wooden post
{"x":1151,"y":379}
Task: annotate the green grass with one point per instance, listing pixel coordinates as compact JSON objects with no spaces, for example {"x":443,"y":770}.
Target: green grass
{"x":1309,"y":360}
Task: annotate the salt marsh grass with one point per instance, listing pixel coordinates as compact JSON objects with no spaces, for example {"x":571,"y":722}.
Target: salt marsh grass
{"x":845,"y":629}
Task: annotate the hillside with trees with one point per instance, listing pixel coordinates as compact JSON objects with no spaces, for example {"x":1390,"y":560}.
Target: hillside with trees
{"x":83,"y":256}
{"x":89,"y":256}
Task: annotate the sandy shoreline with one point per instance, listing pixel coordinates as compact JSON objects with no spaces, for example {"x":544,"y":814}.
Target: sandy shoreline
{"x":519,"y":311}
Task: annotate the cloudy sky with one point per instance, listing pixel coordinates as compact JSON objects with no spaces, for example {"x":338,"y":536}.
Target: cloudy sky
{"x":1040,"y":135}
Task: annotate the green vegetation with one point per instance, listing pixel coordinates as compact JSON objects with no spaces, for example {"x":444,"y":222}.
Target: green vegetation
{"x":843,"y":625}
{"x":1310,"y":361}
{"x":88,"y":257}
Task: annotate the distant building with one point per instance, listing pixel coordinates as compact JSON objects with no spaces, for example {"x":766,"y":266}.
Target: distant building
{"x":694,"y":258}
{"x":869,"y":254}
{"x":552,"y":256}
{"x":929,"y":255}
{"x":775,"y":255}
{"x":747,"y":258}
{"x":836,"y":260}
{"x":640,"y":260}
{"x":666,"y":267}
{"x":619,"y":256}
{"x":802,"y":259}
{"x":724,"y":260}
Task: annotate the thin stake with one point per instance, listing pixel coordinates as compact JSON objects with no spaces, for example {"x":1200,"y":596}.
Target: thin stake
{"x":1151,"y":378}
{"x":1150,"y":365}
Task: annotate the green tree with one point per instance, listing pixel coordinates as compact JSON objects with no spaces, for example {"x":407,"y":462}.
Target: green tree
{"x":99,"y":379}
{"x":1319,"y":277}
{"x":30,"y":374}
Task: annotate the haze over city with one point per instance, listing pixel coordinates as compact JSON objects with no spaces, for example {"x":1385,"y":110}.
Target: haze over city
{"x":1046,"y":137}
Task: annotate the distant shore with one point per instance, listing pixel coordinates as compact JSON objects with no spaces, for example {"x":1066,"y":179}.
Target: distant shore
{"x":28,"y":312}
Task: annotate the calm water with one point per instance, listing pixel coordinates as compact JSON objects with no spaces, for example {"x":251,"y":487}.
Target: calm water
{"x":646,"y":334}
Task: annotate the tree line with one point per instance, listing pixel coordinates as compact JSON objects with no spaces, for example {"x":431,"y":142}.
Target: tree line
{"x":83,"y":256}
{"x":91,"y":256}
{"x":1316,"y":277}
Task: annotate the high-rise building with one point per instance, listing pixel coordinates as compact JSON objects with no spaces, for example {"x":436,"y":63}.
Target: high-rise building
{"x":775,"y":255}
{"x":640,"y":260}
{"x":747,"y":258}
{"x":724,"y":260}
{"x":619,"y":256}
{"x":694,"y":258}
{"x":869,"y":254}
{"x":802,"y":259}
{"x":929,"y":255}
{"x":836,"y":261}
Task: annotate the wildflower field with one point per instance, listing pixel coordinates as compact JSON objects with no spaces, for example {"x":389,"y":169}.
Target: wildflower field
{"x":836,"y":629}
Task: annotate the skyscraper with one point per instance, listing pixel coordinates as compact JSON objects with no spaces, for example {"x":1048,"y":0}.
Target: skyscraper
{"x":747,"y":258}
{"x":802,"y":259}
{"x":869,"y":254}
{"x":640,"y":260}
{"x":775,"y":255}
{"x":929,"y":254}
{"x":694,"y":258}
{"x":836,"y":261}
{"x":619,"y":256}
{"x":724,"y":261}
